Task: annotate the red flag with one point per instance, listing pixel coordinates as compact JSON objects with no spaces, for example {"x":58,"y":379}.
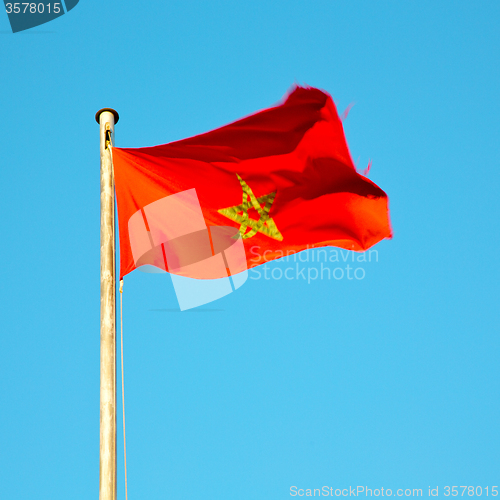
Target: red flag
{"x":282,"y":177}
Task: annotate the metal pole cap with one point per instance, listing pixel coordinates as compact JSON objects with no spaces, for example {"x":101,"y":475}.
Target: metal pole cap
{"x":115,"y":113}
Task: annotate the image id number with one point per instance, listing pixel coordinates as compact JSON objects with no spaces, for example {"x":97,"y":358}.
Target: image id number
{"x":32,"y":8}
{"x":470,"y":491}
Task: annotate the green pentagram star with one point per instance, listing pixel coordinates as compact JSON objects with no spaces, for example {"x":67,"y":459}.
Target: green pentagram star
{"x":239,"y":213}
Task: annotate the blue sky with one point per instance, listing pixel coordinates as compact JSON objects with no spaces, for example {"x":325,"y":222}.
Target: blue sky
{"x":390,"y":381}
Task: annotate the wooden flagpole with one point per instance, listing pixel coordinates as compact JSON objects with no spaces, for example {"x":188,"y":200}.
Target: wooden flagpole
{"x":107,"y":452}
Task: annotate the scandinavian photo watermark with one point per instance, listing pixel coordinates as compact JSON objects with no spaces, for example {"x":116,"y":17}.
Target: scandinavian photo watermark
{"x":312,"y":264}
{"x":365,"y":491}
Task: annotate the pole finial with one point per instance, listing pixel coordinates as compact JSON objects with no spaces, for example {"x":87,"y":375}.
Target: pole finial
{"x":110,"y":110}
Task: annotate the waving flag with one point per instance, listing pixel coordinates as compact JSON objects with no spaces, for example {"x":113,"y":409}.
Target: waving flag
{"x":279,"y":181}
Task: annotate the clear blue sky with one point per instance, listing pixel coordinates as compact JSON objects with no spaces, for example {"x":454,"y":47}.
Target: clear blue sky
{"x":391,"y":381}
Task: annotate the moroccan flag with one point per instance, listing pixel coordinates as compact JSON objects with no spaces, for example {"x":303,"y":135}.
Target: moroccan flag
{"x":276,"y":182}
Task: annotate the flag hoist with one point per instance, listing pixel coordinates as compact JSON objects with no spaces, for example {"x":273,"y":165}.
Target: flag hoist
{"x":107,"y":453}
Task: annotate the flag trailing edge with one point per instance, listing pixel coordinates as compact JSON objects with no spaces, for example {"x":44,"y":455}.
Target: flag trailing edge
{"x":274,"y":183}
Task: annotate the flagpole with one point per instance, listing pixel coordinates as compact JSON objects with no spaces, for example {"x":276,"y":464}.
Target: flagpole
{"x":107,"y":452}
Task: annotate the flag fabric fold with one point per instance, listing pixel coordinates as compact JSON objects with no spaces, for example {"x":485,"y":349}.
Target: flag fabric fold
{"x":282,"y":177}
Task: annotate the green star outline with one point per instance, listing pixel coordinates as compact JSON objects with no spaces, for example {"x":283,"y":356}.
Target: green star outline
{"x":239,"y":213}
